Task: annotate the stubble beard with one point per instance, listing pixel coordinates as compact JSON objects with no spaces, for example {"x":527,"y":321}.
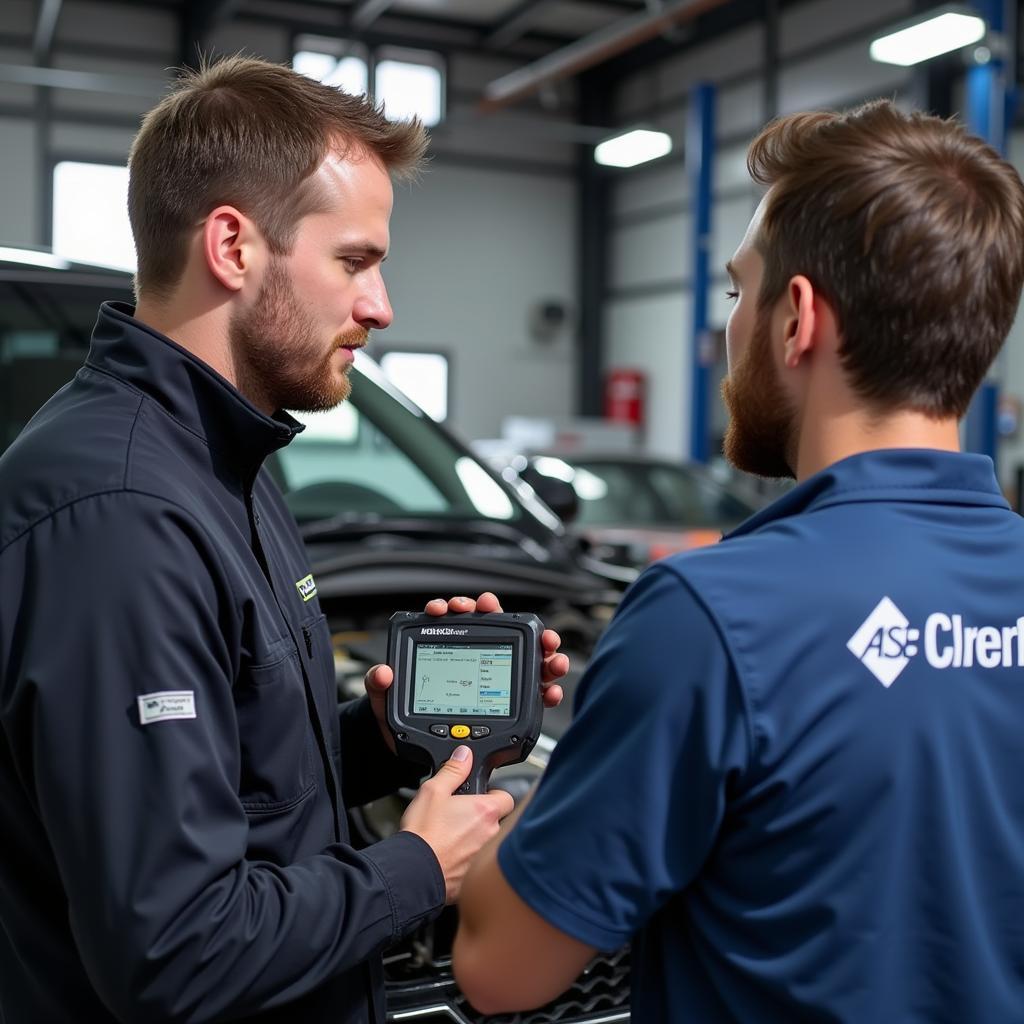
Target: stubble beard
{"x":760,"y":436}
{"x":281,"y":361}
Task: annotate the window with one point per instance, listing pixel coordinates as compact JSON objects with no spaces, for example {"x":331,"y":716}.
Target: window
{"x":90,"y":214}
{"x":333,"y":62}
{"x":423,"y":376}
{"x":410,"y":83}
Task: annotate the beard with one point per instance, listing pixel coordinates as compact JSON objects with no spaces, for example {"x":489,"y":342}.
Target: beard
{"x":280,"y":358}
{"x":760,"y":435}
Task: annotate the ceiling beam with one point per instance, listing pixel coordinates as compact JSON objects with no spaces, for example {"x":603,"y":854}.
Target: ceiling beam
{"x":734,"y":16}
{"x":512,"y":25}
{"x":86,"y":81}
{"x":368,"y":12}
{"x":46,"y":27}
{"x":591,"y":50}
{"x":395,"y":28}
{"x":526,"y":126}
{"x":198,"y":19}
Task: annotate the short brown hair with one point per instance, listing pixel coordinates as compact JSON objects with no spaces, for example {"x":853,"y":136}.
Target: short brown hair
{"x":912,"y":229}
{"x":249,"y":133}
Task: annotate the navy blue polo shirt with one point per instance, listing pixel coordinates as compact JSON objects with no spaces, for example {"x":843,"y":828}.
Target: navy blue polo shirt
{"x":796,"y":774}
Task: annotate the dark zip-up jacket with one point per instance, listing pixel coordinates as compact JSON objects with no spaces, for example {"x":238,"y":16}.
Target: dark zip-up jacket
{"x":173,"y":765}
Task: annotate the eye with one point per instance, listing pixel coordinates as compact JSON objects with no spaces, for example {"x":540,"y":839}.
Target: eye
{"x":732,"y":295}
{"x":352,"y":263}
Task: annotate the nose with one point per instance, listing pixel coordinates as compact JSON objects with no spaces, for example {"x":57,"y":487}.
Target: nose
{"x":372,"y":308}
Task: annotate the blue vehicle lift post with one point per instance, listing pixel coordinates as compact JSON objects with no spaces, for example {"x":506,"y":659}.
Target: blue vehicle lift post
{"x":986,"y":101}
{"x":700,"y":152}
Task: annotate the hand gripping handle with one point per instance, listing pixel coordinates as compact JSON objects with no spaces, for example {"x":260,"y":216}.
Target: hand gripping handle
{"x":477,"y":781}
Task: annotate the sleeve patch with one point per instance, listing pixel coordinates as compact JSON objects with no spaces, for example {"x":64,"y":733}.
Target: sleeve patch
{"x":166,"y":704}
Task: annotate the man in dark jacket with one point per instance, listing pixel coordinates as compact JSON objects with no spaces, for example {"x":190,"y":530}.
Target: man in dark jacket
{"x":174,"y":771}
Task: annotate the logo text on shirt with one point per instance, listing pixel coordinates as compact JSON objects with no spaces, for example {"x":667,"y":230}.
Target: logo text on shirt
{"x":885,"y":642}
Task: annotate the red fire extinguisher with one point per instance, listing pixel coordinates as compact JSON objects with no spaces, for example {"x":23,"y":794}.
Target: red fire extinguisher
{"x":624,"y":393}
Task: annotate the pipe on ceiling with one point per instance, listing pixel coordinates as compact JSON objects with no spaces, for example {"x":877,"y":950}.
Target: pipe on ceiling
{"x":589,"y":51}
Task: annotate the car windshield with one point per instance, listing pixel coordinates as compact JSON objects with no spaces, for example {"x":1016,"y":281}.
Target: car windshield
{"x":651,"y":494}
{"x":377,"y":454}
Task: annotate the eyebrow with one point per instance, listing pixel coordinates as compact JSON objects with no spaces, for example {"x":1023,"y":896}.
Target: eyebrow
{"x":730,"y":269}
{"x":365,"y":248}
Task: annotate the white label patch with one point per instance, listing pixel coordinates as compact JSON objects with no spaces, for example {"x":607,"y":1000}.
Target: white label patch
{"x":156,"y":707}
{"x":306,"y":588}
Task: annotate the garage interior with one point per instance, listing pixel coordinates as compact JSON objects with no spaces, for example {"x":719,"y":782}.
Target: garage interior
{"x":546,"y":305}
{"x":550,"y":271}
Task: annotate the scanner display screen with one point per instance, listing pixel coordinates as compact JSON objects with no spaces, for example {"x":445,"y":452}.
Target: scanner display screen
{"x":462,"y":679}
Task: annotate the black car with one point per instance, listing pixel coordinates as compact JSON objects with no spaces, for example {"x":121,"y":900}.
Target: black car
{"x":394,"y":511}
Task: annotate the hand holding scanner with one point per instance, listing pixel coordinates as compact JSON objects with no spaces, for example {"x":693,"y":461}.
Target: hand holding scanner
{"x":471,"y":678}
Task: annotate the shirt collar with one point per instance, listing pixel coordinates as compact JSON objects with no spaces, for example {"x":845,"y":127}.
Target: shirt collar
{"x":892,"y":474}
{"x":194,"y":394}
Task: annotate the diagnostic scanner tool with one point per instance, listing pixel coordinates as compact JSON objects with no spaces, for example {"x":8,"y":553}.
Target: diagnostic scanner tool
{"x":472,"y":678}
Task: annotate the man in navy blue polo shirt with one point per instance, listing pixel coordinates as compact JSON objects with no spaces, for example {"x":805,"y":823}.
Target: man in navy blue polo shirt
{"x":794,"y":777}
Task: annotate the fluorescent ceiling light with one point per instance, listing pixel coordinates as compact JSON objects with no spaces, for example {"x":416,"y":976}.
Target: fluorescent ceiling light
{"x":33,"y":258}
{"x":930,"y":35}
{"x":632,"y":148}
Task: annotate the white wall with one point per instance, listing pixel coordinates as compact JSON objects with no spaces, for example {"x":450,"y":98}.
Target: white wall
{"x":647,"y":334}
{"x":19,"y":196}
{"x":472,"y":253}
{"x":488,"y":232}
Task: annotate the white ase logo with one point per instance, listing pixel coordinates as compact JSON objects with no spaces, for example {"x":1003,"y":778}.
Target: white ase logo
{"x":885,"y":643}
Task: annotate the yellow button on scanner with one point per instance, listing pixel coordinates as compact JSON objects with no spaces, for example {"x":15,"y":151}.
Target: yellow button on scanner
{"x":460,"y":732}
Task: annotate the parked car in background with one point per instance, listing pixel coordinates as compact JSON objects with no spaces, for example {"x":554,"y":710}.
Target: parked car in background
{"x":634,"y":509}
{"x":394,"y":510}
{"x":758,"y":491}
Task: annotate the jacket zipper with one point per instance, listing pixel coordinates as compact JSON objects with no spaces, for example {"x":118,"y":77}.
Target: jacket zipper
{"x":308,"y":637}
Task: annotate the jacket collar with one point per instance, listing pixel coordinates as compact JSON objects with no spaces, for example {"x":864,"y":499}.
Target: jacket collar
{"x":897,"y":474}
{"x":195,"y":395}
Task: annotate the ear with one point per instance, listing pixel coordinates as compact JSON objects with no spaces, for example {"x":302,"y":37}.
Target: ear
{"x":802,"y":324}
{"x":232,"y":245}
